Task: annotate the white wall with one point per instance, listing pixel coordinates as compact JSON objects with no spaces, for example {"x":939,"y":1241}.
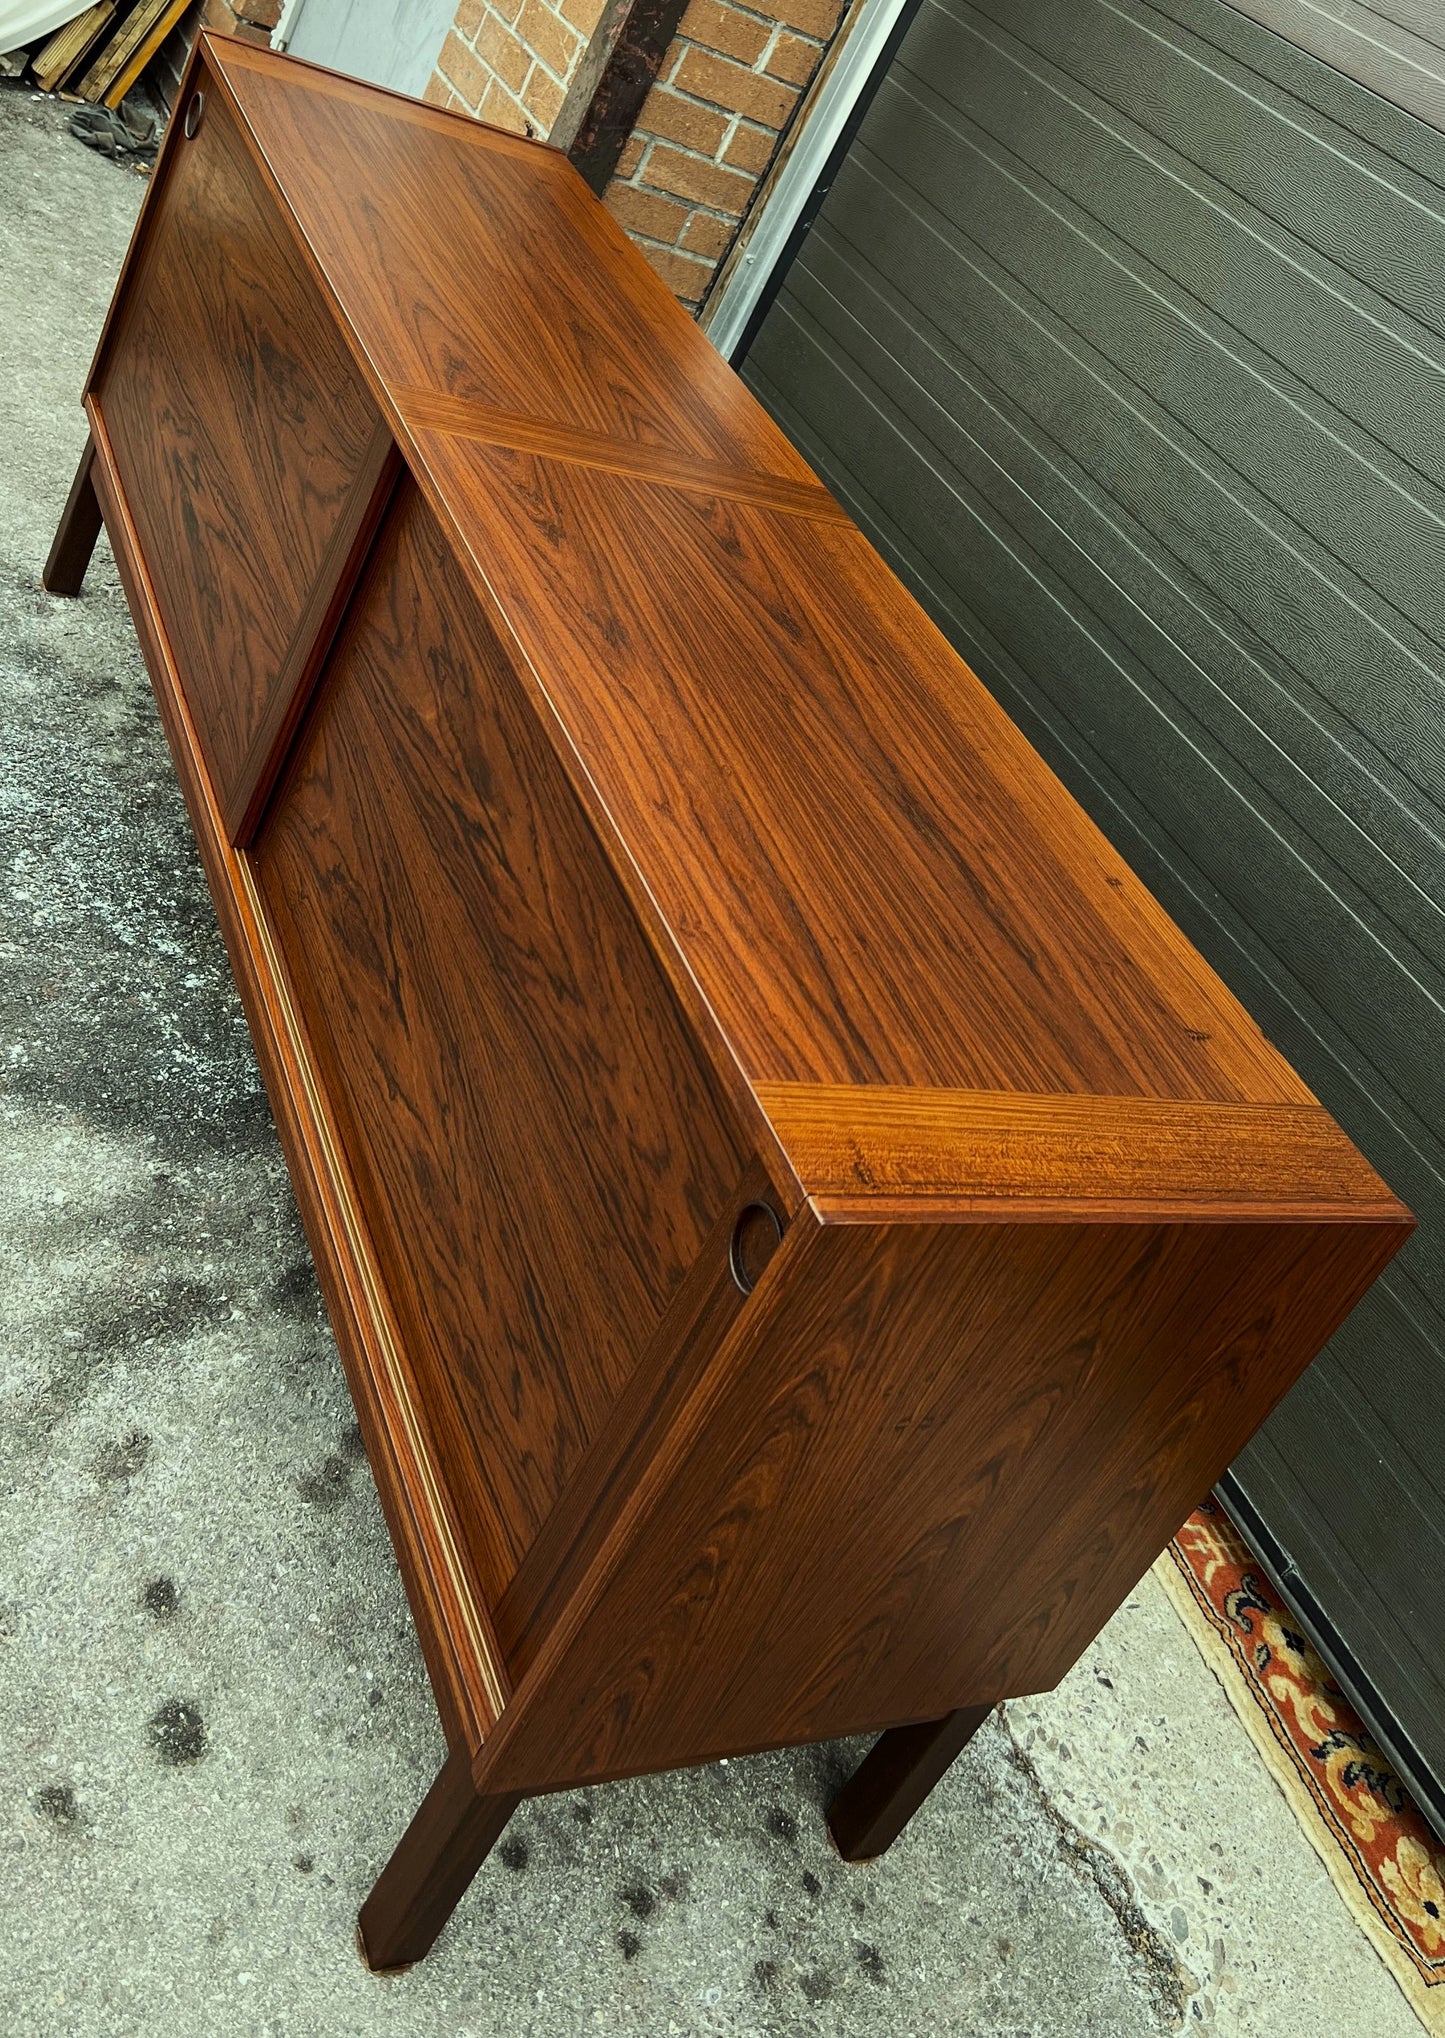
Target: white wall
{"x":390,"y":42}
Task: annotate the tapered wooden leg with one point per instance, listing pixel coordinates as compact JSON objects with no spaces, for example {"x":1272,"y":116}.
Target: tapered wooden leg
{"x":436,"y":1857}
{"x":894,"y":1778}
{"x":79,"y":529}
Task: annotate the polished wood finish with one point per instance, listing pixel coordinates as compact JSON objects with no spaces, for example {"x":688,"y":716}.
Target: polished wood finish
{"x":75,"y":536}
{"x":481,"y":973}
{"x":346,"y":553}
{"x":455,"y":1630}
{"x":454,"y":1831}
{"x":894,"y":1778}
{"x":801,"y":1226}
{"x":915,"y":1471}
{"x":425,"y":411}
{"x":267,"y":430}
{"x":885,"y":936}
{"x":862,"y":1152}
{"x":475,"y":268}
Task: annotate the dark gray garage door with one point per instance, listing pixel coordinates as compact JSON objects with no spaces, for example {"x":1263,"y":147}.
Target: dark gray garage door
{"x":1121,"y":333}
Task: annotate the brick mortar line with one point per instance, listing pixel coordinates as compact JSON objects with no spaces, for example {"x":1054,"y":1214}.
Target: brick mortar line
{"x":692,"y":156}
{"x":710,"y":106}
{"x":666,"y":247}
{"x":677,"y":198}
{"x":753,"y":70}
{"x":752,"y":14}
{"x":661,"y":141}
{"x":684,"y":45}
{"x":542,"y":65}
{"x":695,"y":208}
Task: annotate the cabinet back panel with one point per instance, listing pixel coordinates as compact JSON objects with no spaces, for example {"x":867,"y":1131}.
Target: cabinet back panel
{"x":535,"y":1144}
{"x":239,"y":429}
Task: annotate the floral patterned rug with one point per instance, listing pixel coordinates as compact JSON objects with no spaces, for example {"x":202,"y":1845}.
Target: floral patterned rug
{"x":1384,"y":1859}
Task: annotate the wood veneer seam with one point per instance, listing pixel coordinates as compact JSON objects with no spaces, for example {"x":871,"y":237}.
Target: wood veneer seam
{"x":487,"y":1655}
{"x":686,"y":1425}
{"x":429,"y":410}
{"x":638,"y":1412}
{"x":722,"y":1057}
{"x":355,"y":1266}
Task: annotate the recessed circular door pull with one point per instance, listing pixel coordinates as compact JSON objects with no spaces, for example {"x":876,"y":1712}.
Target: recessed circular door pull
{"x":756,"y":1237}
{"x":194,"y":111}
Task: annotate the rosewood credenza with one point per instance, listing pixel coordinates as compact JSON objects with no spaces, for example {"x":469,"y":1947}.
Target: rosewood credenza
{"x":801,"y":1225}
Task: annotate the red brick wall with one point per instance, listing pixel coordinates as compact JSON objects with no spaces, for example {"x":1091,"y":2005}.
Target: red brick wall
{"x":728,"y":85}
{"x":509,"y":61}
{"x":709,"y":127}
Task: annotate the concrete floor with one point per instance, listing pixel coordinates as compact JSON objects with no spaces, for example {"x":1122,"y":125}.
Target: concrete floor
{"x":213,"y":1717}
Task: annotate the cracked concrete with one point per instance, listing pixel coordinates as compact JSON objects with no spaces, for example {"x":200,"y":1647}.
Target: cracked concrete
{"x":213,"y":1716}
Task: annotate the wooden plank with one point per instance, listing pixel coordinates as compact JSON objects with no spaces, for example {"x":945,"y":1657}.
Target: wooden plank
{"x":143,"y":48}
{"x":70,"y":45}
{"x":133,"y":28}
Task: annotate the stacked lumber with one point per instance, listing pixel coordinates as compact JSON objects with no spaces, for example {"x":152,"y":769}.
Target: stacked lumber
{"x":129,"y":50}
{"x":69,"y":47}
{"x":101,"y":53}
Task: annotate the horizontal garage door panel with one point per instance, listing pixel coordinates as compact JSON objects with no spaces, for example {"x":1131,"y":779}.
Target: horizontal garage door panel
{"x":1336,"y":183}
{"x":1304,"y":311}
{"x":1221,"y":671}
{"x":1379,"y":826}
{"x":1121,"y":331}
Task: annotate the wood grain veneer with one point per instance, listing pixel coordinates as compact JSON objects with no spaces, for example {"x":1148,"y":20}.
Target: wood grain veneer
{"x":266,"y":429}
{"x":909,"y":1154}
{"x":801,"y":1225}
{"x":483,"y":978}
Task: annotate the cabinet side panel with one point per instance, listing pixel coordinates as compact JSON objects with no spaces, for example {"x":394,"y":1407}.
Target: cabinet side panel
{"x":537,"y":1147}
{"x":238,"y":429}
{"x":941,"y":1458}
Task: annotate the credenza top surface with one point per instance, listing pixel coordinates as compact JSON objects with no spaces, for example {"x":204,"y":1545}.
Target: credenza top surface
{"x":860,"y":870}
{"x":478,"y":265}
